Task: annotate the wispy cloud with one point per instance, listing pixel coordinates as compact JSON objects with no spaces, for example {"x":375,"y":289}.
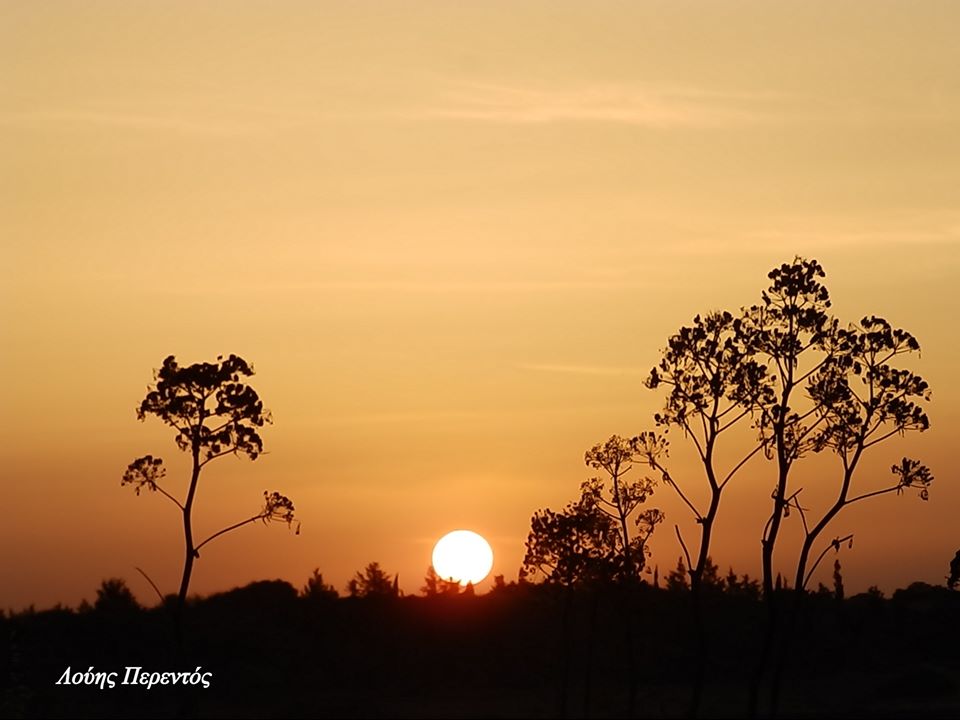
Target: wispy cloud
{"x":896,"y":229}
{"x":486,"y":102}
{"x":852,"y":239}
{"x":580,"y":369}
{"x":186,"y":124}
{"x":403,"y":418}
{"x":419,"y":287}
{"x":606,"y":103}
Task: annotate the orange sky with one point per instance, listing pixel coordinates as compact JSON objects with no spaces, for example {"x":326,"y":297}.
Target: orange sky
{"x":452,"y":238}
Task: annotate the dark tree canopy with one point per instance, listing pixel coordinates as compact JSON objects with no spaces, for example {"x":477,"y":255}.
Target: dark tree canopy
{"x":590,"y":541}
{"x":373,"y":582}
{"x":113,"y":596}
{"x":316,"y":590}
{"x":435,"y":586}
{"x":213,"y":410}
{"x":953,"y":579}
{"x":572,"y":547}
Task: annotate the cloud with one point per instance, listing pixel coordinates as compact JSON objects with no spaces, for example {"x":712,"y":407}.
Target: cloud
{"x":580,"y":369}
{"x":932,"y":230}
{"x":445,"y":417}
{"x":485,"y":102}
{"x":425,"y":286}
{"x":607,"y":103}
{"x":125,"y":120}
{"x":852,"y":239}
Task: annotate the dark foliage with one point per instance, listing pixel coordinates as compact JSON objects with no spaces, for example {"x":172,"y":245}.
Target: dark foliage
{"x":113,"y":596}
{"x":373,"y":582}
{"x":590,"y":541}
{"x":276,"y":653}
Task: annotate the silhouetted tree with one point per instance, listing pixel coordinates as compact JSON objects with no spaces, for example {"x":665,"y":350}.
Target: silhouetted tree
{"x":434,"y":585}
{"x":744,"y":586}
{"x":861,"y":400}
{"x":571,"y":547}
{"x":785,"y":332}
{"x":713,"y":385}
{"x":711,"y":581}
{"x":790,"y":332}
{"x":113,"y":596}
{"x":619,"y":499}
{"x":837,"y":580}
{"x":787,"y":363}
{"x":215,"y":414}
{"x":954,"y":578}
{"x":836,"y":390}
{"x":589,"y":541}
{"x":677,"y":579}
{"x":316,"y":590}
{"x":373,"y":582}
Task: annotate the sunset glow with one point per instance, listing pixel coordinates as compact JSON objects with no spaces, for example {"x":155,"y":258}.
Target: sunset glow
{"x":452,"y":239}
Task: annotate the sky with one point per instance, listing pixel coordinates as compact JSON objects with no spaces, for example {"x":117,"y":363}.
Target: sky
{"x":452,"y":238}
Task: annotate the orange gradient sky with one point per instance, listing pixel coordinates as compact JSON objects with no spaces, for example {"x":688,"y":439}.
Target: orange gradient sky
{"x":452,"y":238}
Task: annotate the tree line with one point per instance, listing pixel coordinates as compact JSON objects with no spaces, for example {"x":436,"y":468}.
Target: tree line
{"x":784,"y":372}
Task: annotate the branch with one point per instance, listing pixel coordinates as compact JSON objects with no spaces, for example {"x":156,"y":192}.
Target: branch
{"x":740,"y":464}
{"x":814,"y":369}
{"x":232,"y":451}
{"x":893,"y":353}
{"x":605,"y":502}
{"x":808,"y":413}
{"x":863,"y":403}
{"x":890,"y":489}
{"x":214,"y":431}
{"x":730,"y":408}
{"x":809,"y":429}
{"x":780,"y":369}
{"x":765,"y":536}
{"x":669,"y":481}
{"x":895,"y":431}
{"x":259,"y":516}
{"x":152,"y":584}
{"x":737,"y":419}
{"x":683,"y":545}
{"x":803,"y":514}
{"x":186,"y":429}
{"x":835,"y":544}
{"x":607,"y":512}
{"x":165,"y":493}
{"x":696,"y":442}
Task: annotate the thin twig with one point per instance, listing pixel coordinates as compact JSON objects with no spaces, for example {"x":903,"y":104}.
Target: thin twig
{"x":875,"y":492}
{"x":834,"y":544}
{"x":165,"y":493}
{"x":228,"y":529}
{"x":669,"y":480}
{"x":152,"y":584}
{"x":683,"y":545}
{"x":740,"y":464}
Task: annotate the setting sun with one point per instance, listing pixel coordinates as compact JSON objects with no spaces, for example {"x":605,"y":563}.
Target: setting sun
{"x":462,"y":556}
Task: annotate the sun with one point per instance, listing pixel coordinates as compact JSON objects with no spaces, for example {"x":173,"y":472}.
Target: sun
{"x":462,"y":556}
